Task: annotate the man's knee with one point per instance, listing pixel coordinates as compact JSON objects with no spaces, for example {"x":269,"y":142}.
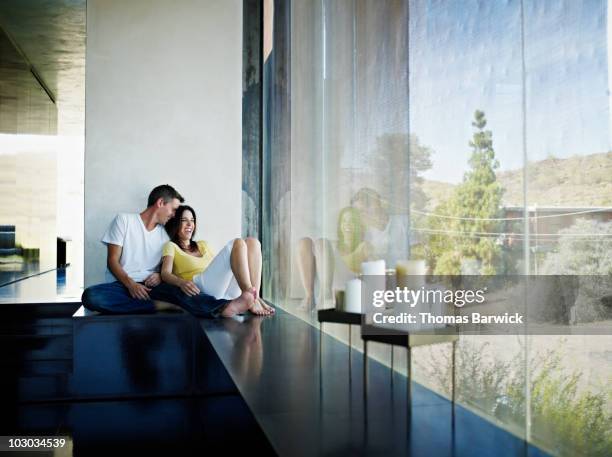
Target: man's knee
{"x":113,"y":298}
{"x":91,"y":299}
{"x":88,"y":296}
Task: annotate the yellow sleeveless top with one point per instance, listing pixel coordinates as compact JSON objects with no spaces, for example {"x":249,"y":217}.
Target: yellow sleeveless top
{"x":186,"y":266}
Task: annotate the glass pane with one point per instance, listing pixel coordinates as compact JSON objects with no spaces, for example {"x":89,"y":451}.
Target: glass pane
{"x":471,"y":138}
{"x":466,"y":130}
{"x":569,"y":193}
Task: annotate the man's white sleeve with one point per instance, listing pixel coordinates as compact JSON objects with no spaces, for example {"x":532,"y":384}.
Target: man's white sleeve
{"x":115,"y":234}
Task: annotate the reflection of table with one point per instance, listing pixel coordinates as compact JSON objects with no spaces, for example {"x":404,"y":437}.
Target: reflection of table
{"x":336,"y":316}
{"x":407,"y":340}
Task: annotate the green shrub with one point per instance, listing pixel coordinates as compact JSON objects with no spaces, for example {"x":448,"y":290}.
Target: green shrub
{"x":565,"y":420}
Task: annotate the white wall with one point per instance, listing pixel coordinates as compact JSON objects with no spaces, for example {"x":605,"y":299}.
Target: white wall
{"x":163,"y":105}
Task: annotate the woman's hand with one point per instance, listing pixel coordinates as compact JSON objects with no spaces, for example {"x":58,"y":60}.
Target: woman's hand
{"x":154,"y":279}
{"x":189,"y":288}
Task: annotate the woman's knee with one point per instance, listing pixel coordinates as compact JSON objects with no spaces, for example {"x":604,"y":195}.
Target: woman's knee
{"x":253,"y":244}
{"x":238,"y":243}
{"x":305,"y":245}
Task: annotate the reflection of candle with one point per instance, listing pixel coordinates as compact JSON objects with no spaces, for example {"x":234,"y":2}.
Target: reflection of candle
{"x":411,"y":273}
{"x":374,"y":268}
{"x":411,"y":267}
{"x":374,"y":277}
{"x":352,"y":296}
{"x":340,"y":300}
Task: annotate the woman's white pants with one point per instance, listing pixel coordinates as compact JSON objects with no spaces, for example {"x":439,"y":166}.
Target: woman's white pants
{"x":218,"y":279}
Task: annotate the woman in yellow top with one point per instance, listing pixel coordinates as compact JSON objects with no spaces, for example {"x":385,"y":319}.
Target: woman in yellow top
{"x":194,"y":268}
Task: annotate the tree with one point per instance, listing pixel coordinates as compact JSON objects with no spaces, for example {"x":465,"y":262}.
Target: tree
{"x":469,"y":211}
{"x":588,"y":254}
{"x":401,"y":160}
{"x":584,"y":260}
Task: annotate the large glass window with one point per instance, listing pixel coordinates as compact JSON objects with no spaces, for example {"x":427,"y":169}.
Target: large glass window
{"x":472,"y":138}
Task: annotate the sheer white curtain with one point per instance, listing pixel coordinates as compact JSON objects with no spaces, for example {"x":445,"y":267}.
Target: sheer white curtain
{"x":349,"y":123}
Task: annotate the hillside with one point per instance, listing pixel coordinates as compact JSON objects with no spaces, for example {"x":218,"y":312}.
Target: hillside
{"x":574,"y":181}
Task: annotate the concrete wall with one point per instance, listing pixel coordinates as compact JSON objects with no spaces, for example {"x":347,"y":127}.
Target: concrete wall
{"x":163,"y":105}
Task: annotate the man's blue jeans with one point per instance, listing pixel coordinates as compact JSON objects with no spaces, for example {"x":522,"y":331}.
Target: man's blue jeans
{"x":114,"y":298}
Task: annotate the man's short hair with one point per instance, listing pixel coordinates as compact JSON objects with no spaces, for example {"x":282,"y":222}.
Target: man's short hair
{"x":165,"y":191}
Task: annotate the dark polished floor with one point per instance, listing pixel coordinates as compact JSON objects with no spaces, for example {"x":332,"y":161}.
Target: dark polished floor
{"x":308,"y":395}
{"x":170,"y":383}
{"x":115,"y":384}
{"x":174,"y":426}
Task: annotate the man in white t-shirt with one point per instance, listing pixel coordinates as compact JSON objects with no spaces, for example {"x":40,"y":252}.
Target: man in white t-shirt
{"x":134,"y":247}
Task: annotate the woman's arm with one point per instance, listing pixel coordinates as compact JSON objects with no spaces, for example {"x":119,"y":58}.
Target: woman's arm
{"x":188,"y":287}
{"x":361,"y":253}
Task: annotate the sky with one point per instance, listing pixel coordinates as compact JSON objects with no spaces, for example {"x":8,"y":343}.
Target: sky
{"x":466,"y":55}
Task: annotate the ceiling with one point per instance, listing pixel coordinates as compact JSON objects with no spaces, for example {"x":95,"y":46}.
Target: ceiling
{"x":42,"y":57}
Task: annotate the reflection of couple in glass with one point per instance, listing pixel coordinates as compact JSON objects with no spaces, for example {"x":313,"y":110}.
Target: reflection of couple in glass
{"x":363,"y":231}
{"x":191,"y":276}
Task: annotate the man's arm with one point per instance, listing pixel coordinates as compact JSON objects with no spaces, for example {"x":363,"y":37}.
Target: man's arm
{"x":135,"y":289}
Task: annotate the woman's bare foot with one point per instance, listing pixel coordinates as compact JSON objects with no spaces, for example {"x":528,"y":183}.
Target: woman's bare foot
{"x":261,"y":308}
{"x":255,"y":293}
{"x":267,"y":307}
{"x":239,"y":305}
{"x":257,"y":309}
{"x":262,"y":304}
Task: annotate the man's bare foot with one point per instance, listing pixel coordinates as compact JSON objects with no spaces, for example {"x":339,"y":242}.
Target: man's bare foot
{"x":239,"y":305}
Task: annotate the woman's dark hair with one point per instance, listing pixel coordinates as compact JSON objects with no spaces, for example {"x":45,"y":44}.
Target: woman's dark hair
{"x":173,"y":225}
